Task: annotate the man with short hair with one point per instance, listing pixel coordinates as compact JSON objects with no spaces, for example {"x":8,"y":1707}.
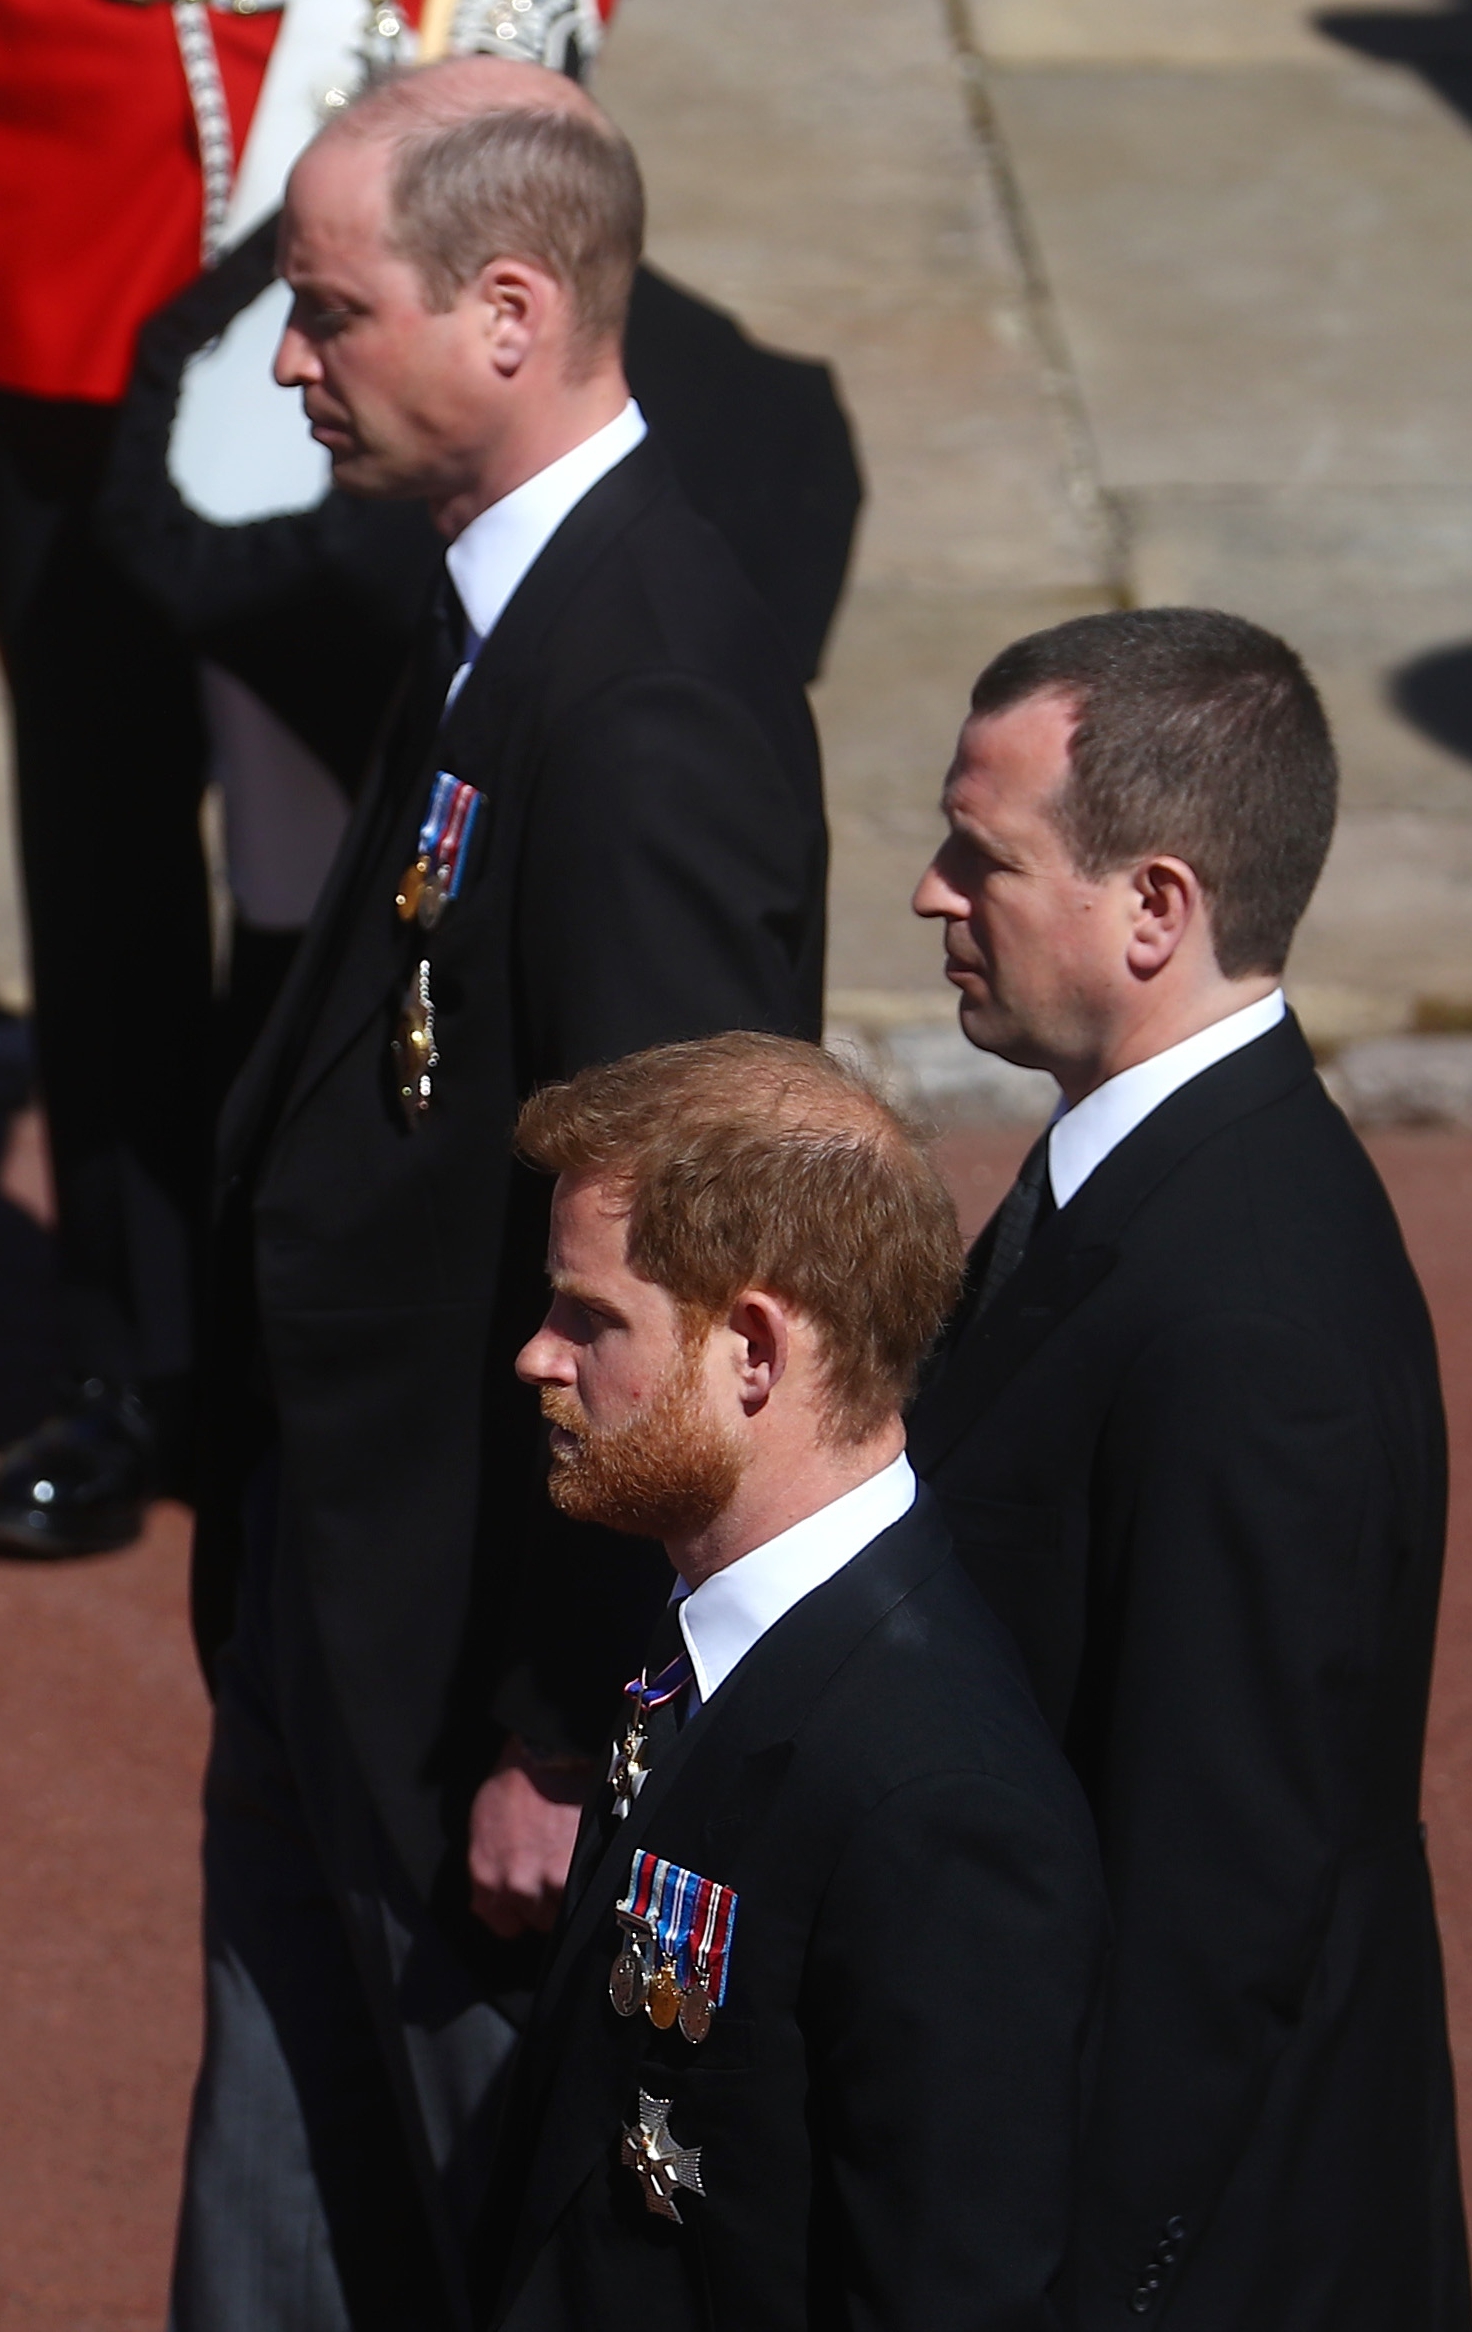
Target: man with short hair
{"x":808,"y":2052}
{"x":1187,"y":1431}
{"x":595,"y":823}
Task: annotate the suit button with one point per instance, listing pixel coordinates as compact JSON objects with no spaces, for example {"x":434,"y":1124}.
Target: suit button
{"x":1174,"y":2230}
{"x":1141,"y":2302}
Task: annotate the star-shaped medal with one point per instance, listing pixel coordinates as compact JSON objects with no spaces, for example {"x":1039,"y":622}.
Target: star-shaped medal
{"x":628,"y":1772}
{"x":660,"y":2162}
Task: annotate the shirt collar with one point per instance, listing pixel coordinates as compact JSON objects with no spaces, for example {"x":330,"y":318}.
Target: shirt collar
{"x":729,"y":1612}
{"x":1083,"y":1136}
{"x":489,"y":559}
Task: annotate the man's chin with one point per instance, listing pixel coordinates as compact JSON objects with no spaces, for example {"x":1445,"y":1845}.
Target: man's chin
{"x":991,"y":1030}
{"x":370,"y":478}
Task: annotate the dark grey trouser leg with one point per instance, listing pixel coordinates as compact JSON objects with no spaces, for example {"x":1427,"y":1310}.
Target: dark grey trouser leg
{"x":340,"y":2132}
{"x":301,"y":2208}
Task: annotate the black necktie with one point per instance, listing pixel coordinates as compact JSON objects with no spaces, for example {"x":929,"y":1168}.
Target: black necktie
{"x":1027,"y":1203}
{"x":447,"y":638}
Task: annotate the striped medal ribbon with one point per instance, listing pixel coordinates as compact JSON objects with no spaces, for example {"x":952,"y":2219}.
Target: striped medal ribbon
{"x":438,"y":868}
{"x":675,"y":1960}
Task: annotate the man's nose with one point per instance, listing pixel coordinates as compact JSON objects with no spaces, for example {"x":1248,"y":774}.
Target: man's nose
{"x":542,"y":1360}
{"x":296,"y":362}
{"x":935,"y":896}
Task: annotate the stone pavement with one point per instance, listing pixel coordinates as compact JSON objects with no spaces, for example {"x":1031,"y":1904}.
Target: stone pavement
{"x":1133,"y":301}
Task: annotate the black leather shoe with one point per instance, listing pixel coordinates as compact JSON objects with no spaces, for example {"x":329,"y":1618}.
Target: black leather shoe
{"x":80,"y":1483}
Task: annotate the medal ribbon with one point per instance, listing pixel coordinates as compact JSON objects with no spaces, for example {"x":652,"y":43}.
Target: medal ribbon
{"x":711,"y":1927}
{"x":693,"y":1918}
{"x":448,"y":825}
{"x":662,"y":1687}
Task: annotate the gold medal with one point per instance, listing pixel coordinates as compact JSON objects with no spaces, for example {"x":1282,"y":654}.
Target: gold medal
{"x":411,"y":883}
{"x":415,"y":1055}
{"x":663,"y":2003}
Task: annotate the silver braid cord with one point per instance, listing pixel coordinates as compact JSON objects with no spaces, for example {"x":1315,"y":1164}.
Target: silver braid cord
{"x":211,"y":120}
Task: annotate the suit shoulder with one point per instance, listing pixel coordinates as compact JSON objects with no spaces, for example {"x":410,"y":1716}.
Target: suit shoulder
{"x":938,"y":1686}
{"x":667,"y":594}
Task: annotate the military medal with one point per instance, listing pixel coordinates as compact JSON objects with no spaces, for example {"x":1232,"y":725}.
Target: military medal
{"x":627,"y":1770}
{"x":695,"y":2004}
{"x":414,"y":1053}
{"x":434,"y":875}
{"x":410,"y":885}
{"x":663,"y":2166}
{"x":663,"y":2003}
{"x":628,"y":1986}
{"x":688,"y":1921}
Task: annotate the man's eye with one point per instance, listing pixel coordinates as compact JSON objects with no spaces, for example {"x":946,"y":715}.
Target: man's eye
{"x":320,"y":323}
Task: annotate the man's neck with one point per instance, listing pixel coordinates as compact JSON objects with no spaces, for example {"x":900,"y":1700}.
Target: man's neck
{"x":540,"y":435}
{"x":776,"y":1493}
{"x":1163,"y":1021}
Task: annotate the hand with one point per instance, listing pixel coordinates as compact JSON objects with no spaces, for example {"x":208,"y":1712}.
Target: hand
{"x":523,"y":1823}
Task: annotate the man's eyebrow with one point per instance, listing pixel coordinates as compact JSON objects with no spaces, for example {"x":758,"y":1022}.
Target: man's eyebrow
{"x":565,"y":1283}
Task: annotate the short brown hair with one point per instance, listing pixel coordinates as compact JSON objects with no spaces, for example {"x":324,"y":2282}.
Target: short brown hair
{"x":1199,"y":734}
{"x":553,"y":189}
{"x":757,"y":1161}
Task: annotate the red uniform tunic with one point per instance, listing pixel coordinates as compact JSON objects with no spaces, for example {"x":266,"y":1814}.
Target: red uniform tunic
{"x":100,"y":191}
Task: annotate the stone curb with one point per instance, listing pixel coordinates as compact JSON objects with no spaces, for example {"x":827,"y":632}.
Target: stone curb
{"x":930,"y":1070}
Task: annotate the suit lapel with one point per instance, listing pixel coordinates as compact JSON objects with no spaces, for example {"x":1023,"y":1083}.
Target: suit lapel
{"x":1079,"y":1245}
{"x":353,"y":956}
{"x":256,"y":1098}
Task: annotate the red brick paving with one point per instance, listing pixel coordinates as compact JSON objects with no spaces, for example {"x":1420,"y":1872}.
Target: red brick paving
{"x":100,"y":1749}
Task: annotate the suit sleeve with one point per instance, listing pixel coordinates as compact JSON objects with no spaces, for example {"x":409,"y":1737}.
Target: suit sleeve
{"x":673,"y":877}
{"x":1244,"y":1520}
{"x":947,"y":2002}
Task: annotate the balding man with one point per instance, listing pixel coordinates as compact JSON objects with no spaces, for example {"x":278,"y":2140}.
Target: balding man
{"x":595,"y":823}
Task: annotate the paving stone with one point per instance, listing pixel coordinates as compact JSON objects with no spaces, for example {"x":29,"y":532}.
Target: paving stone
{"x":1411,"y":1080}
{"x":816,"y":172}
{"x":1264,"y":274}
{"x":1192,"y":32}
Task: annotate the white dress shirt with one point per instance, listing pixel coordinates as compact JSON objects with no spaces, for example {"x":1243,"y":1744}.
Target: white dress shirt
{"x":496,"y":550}
{"x":729,"y":1612}
{"x":1082,"y":1137}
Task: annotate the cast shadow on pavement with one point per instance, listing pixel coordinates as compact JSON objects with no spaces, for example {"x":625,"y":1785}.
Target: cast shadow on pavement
{"x":1434,"y":693}
{"x":1437,"y":44}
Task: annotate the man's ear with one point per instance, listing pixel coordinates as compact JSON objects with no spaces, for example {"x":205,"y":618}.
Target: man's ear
{"x":758,"y":1325}
{"x":1166,"y":900}
{"x":517,"y":301}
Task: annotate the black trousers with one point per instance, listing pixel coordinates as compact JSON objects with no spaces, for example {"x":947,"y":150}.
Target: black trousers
{"x":109,"y":762}
{"x":353,"y":2070}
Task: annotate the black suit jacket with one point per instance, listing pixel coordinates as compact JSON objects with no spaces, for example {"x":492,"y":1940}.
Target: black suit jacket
{"x":887,"y":2104}
{"x":649,"y":865}
{"x":1193,"y":1453}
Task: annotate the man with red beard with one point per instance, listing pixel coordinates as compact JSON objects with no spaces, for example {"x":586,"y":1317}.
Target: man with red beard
{"x":843,"y":1881}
